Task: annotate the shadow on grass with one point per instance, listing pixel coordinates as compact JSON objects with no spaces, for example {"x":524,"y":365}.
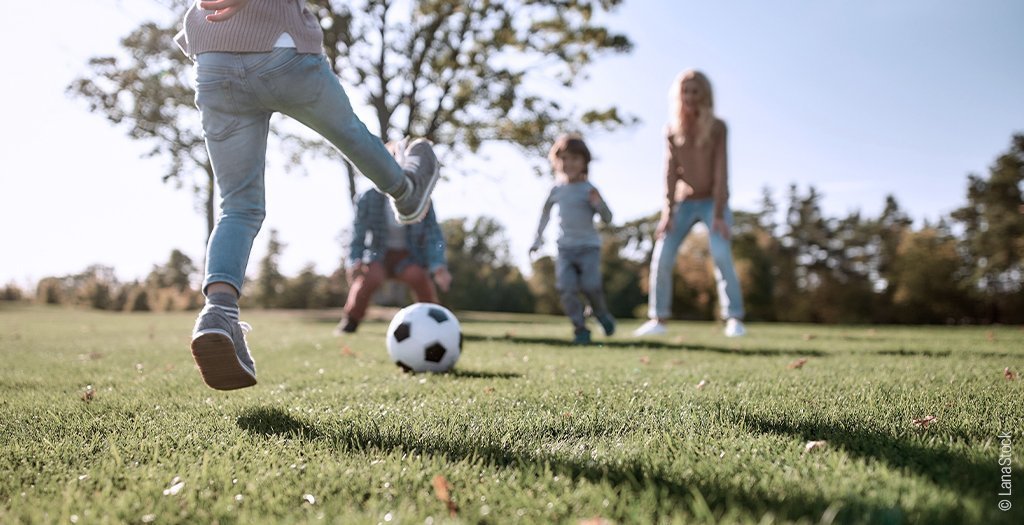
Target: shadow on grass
{"x":630,"y":477}
{"x":272,"y":421}
{"x":934,"y":461}
{"x":914,"y":353}
{"x":642,"y":344}
{"x":482,"y":374}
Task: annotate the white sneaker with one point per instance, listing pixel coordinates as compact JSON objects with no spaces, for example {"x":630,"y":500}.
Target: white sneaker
{"x":734,"y":328}
{"x":652,"y":327}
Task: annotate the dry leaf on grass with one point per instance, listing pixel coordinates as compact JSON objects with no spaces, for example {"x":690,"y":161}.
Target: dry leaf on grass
{"x":309,"y":498}
{"x":799,"y":363}
{"x":808,"y":337}
{"x":443,"y":492}
{"x":703,"y":383}
{"x":88,"y":394}
{"x":1010,"y":375}
{"x":925,"y":421}
{"x":990,"y":335}
{"x":645,"y":360}
{"x":814,"y":445}
{"x":488,"y":389}
{"x":347,"y":352}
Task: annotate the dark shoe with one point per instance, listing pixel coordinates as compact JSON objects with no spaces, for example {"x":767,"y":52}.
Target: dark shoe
{"x":607,"y":323}
{"x":346,"y":326}
{"x":421,"y":166}
{"x":220,"y":350}
{"x":582,"y":337}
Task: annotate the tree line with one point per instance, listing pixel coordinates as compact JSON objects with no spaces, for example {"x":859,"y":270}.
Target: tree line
{"x":967,"y":267}
{"x":465,"y":73}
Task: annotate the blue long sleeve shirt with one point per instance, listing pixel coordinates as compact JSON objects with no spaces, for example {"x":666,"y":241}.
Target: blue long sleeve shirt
{"x":575,"y":215}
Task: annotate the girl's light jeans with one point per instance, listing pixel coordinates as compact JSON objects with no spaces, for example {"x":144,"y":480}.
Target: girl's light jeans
{"x":688,"y":212}
{"x":236,"y":94}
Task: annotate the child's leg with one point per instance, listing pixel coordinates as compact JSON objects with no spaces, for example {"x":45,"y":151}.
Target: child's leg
{"x":567,"y":281}
{"x":593,"y":288}
{"x":419,"y":281}
{"x":306,"y":89}
{"x":590,"y":280}
{"x":663,"y":261}
{"x":236,"y":128}
{"x":730,"y":297}
{"x":361,"y":291}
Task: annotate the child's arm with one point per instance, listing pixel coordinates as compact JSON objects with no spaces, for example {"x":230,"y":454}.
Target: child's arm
{"x":720,"y":188}
{"x":600,"y":206}
{"x":545,"y":215}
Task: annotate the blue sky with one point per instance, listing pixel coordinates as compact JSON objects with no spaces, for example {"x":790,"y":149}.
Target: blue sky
{"x":859,"y":99}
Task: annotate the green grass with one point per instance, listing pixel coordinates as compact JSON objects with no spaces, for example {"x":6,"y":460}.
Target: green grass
{"x":528,"y":430}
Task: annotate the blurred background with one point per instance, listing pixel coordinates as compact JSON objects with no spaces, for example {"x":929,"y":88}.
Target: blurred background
{"x":876,"y":154}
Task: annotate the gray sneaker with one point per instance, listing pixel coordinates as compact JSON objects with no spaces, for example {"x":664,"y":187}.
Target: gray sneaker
{"x":419,"y":164}
{"x":220,"y":351}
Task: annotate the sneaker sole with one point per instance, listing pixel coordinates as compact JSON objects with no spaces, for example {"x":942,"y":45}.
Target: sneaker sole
{"x":424,"y":206}
{"x":215,"y":355}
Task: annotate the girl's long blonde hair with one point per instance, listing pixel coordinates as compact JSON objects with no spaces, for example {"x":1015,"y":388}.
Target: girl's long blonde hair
{"x":683,"y":125}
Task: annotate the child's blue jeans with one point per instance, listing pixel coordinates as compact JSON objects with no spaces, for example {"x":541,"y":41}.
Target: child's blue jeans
{"x":578,"y":270}
{"x":236,"y":94}
{"x":688,"y":212}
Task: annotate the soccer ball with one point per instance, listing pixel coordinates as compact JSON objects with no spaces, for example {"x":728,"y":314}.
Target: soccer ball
{"x":424,"y":337}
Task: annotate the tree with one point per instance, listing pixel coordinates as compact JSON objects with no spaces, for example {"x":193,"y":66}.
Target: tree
{"x":462,"y":73}
{"x":926,"y":288}
{"x":485,"y":277}
{"x":993,"y":238}
{"x":457,"y":72}
{"x":148,"y":92}
{"x":270,"y":282}
{"x":177,"y":273}
{"x":544,"y":287}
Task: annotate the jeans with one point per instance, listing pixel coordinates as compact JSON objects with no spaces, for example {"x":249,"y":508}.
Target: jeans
{"x":578,"y":270}
{"x":688,"y":212}
{"x":236,"y":94}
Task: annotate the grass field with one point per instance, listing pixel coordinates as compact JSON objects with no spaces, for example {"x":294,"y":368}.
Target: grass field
{"x":528,"y":430}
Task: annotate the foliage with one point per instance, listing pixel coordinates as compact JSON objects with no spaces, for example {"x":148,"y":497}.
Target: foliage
{"x":270,"y":282}
{"x":462,"y":73}
{"x":11,"y":292}
{"x":147,"y":91}
{"x":544,"y":286}
{"x":993,"y":240}
{"x":484,"y":276}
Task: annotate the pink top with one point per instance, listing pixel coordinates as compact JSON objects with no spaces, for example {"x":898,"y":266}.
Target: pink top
{"x":698,"y":172}
{"x":254,"y":29}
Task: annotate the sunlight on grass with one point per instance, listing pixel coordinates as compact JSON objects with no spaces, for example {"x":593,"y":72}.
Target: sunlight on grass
{"x":105,"y":419}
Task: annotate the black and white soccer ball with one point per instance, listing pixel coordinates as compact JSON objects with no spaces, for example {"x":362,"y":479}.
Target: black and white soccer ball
{"x":424,"y":337}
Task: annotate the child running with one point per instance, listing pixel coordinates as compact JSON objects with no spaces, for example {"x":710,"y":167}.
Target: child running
{"x":578,"y":265}
{"x":254,"y":58}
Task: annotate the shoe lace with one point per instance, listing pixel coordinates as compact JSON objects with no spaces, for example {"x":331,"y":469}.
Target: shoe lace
{"x":246,"y":327}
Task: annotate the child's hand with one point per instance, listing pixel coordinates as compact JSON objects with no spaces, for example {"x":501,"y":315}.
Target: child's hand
{"x":719,"y":226}
{"x":443,"y":278}
{"x":356,"y":270}
{"x":225,"y":9}
{"x":664,"y":226}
